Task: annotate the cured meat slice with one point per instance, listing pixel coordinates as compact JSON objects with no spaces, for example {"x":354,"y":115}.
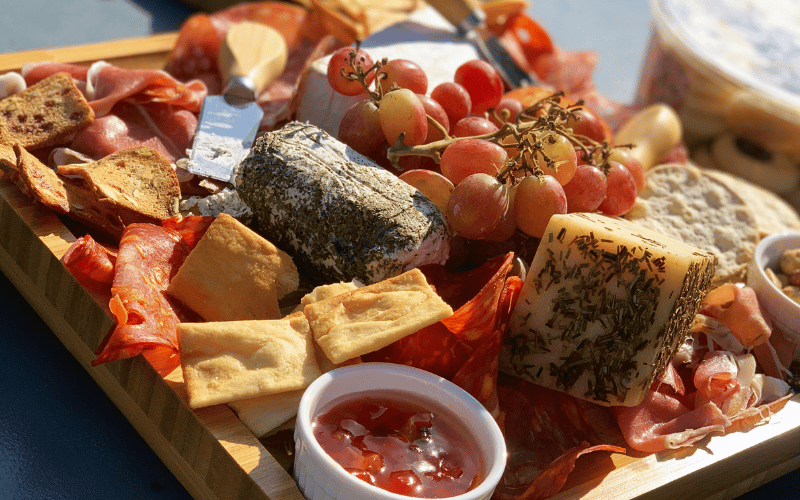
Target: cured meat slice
{"x":165,"y":129}
{"x":545,"y":432}
{"x":149,"y":256}
{"x":35,"y":72}
{"x":443,"y":349}
{"x":107,"y":84}
{"x":132,"y":108}
{"x":110,"y":84}
{"x":738,"y":308}
{"x":191,"y":228}
{"x":90,"y":262}
{"x":337,"y":214}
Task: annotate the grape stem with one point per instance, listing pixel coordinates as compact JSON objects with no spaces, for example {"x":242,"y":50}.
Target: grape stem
{"x":540,"y":122}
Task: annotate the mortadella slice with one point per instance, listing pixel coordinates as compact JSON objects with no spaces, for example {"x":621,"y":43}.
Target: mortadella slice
{"x":337,"y":213}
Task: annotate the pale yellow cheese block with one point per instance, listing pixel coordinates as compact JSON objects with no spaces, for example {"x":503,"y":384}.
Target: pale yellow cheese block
{"x":604,"y":306}
{"x":371,"y":317}
{"x":231,"y":360}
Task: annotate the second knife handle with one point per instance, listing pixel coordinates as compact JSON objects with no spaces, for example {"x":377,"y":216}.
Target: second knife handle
{"x":465,"y":15}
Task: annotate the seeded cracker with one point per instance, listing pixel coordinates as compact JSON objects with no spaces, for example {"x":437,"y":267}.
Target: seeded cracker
{"x":682,"y":202}
{"x":47,"y":113}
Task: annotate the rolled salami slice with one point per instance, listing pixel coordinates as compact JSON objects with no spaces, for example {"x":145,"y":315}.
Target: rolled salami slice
{"x":336,"y":212}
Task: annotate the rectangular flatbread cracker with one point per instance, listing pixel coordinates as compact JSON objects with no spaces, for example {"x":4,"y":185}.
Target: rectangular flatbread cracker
{"x":232,"y":360}
{"x":371,"y":317}
{"x":234,"y":274}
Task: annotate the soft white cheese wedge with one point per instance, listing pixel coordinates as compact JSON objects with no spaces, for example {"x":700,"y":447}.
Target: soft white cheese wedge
{"x":425,"y":38}
{"x":605,"y":304}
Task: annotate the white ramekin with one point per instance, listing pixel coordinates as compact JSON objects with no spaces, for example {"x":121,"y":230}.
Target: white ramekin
{"x":321,"y":478}
{"x":780,"y":309}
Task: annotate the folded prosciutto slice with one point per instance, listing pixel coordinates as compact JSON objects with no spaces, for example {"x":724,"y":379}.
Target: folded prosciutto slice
{"x":148,"y":258}
{"x":133,"y":107}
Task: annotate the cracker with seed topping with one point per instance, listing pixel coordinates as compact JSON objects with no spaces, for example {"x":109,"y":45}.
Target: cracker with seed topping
{"x":48,"y":113}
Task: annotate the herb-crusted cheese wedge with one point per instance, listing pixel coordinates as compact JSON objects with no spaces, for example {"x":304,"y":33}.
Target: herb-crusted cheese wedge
{"x":604,"y":306}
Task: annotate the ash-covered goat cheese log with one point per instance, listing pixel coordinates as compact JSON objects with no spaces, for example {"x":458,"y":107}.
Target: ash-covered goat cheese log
{"x":605,"y":304}
{"x":336,"y":212}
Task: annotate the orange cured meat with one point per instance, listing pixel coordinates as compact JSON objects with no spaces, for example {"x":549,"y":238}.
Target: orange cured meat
{"x":191,"y":228}
{"x":444,"y":347}
{"x":149,"y":256}
{"x":545,"y":432}
{"x":91,"y":263}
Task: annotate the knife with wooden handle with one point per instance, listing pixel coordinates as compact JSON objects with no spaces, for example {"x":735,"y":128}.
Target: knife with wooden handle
{"x":252,"y":56}
{"x":468,"y":18}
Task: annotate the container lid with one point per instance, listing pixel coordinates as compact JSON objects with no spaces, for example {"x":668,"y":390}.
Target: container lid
{"x":755,"y":44}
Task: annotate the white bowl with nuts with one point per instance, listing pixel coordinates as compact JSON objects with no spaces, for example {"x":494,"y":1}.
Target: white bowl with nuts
{"x":774,"y":274}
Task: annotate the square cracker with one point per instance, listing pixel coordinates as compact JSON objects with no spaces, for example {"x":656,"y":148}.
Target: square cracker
{"x":234,"y":274}
{"x":371,"y":317}
{"x":234,"y":360}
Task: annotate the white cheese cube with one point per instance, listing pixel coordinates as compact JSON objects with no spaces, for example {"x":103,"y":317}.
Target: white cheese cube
{"x":604,"y":306}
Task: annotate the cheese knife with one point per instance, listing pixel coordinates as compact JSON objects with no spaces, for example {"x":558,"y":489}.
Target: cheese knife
{"x":469,"y":20}
{"x":251,"y":56}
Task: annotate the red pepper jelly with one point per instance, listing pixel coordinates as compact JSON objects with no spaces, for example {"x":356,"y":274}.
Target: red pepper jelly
{"x":400,"y":446}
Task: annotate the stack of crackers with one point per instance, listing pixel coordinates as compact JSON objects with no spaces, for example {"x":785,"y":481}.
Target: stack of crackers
{"x":249,"y":355}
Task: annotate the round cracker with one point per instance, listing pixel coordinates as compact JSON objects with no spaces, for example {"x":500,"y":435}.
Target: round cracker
{"x":681,"y":201}
{"x":773,"y":213}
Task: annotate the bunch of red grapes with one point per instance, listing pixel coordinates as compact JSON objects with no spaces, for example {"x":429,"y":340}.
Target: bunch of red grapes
{"x":492,"y":164}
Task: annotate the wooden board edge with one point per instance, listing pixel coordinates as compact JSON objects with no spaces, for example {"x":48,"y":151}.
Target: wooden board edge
{"x":204,"y":449}
{"x":149,"y":51}
{"x":719,"y":468}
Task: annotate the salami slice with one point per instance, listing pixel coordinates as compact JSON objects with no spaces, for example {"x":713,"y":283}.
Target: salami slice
{"x":149,"y":256}
{"x":545,"y":431}
{"x":91,"y":263}
{"x":191,"y":228}
{"x":462,"y":347}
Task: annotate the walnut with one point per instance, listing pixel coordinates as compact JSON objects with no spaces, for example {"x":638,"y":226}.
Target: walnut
{"x":790,"y":261}
{"x":793,"y":292}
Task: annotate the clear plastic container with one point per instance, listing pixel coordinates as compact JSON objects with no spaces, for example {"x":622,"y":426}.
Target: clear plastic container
{"x":731,"y":67}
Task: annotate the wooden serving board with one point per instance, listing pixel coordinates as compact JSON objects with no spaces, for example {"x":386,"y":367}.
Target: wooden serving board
{"x":216,"y":457}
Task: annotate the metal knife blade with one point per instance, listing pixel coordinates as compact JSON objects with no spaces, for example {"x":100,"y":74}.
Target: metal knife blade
{"x":252,"y":55}
{"x":469,"y":19}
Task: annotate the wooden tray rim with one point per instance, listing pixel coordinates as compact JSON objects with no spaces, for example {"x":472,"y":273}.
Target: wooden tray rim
{"x":211,"y":452}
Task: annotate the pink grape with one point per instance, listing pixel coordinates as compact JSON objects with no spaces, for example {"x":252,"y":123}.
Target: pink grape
{"x":538,"y":198}
{"x":508,"y":225}
{"x":360,"y":128}
{"x":406,"y":74}
{"x":470,"y":156}
{"x":476,"y":206}
{"x":586,"y":190}
{"x":340,"y":61}
{"x":589,"y":124}
{"x":472,"y":126}
{"x":623,"y":156}
{"x":621,"y":190}
{"x":483,"y":83}
{"x":435,"y":111}
{"x":560,"y":150}
{"x":513,"y":106}
{"x":433,"y":185}
{"x":401,"y":111}
{"x":454,"y":99}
